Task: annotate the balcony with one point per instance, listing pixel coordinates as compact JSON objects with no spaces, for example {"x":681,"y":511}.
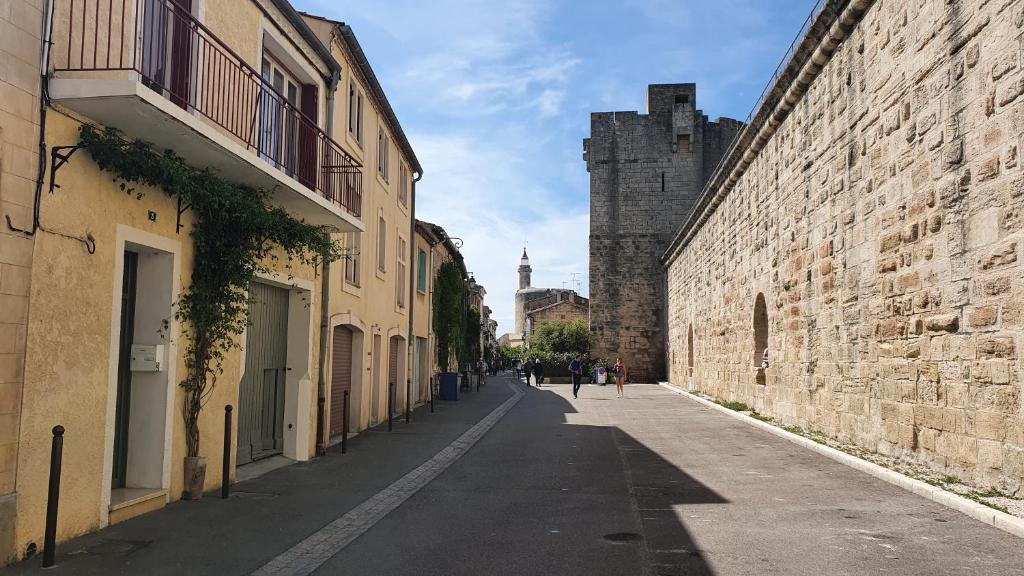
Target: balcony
{"x":150,"y":69}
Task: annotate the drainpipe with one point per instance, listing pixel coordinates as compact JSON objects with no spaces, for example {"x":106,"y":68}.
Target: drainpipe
{"x":431,"y":343}
{"x":325,"y":299}
{"x":412,"y":280}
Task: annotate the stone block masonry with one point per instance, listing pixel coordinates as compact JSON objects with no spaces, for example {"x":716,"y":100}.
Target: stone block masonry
{"x":646,"y":170}
{"x":879,"y":211}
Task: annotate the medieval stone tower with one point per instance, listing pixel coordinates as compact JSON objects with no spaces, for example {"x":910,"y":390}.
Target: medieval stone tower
{"x":646,"y":171}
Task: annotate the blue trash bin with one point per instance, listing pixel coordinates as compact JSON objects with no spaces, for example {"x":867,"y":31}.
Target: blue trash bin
{"x":449,"y":386}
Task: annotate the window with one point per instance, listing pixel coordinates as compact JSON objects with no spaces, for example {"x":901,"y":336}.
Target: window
{"x":382,"y":154}
{"x":355,"y":112}
{"x":760,"y":330}
{"x":400,"y":274}
{"x":403,"y":185}
{"x":352,"y":242}
{"x":382,"y":244}
{"x":279,"y":126}
{"x":421,"y":272}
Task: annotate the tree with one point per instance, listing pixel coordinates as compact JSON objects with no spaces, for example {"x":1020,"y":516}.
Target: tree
{"x":449,"y":312}
{"x":472,"y":340}
{"x":562,"y":337}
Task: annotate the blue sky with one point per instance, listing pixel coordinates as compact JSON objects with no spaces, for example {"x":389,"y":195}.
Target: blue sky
{"x":496,"y":99}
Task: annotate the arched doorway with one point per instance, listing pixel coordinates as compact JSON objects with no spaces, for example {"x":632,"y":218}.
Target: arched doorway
{"x":760,"y":335}
{"x":341,"y":377}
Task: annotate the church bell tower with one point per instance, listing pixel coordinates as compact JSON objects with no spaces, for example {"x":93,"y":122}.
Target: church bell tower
{"x":524,"y":271}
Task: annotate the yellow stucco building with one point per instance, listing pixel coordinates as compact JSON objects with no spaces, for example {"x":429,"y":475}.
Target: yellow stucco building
{"x":264,"y":96}
{"x":368,"y":352}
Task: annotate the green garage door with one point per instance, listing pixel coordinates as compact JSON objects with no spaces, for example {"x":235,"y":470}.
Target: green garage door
{"x":261,"y":397}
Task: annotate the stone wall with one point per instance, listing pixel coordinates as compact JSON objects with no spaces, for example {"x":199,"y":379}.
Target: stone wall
{"x":882,"y":221}
{"x":564,"y":309}
{"x":645,"y":172}
{"x":20,"y":25}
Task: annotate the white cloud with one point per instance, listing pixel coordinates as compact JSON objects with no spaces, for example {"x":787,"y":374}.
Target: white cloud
{"x":483,"y":191}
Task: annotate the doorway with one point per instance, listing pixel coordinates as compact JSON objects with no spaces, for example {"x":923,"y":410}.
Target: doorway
{"x":375,"y":407}
{"x":122,"y":412}
{"x":341,"y":377}
{"x":261,"y":399}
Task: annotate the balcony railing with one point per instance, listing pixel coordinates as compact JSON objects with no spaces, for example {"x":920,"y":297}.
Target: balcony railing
{"x":178,"y":57}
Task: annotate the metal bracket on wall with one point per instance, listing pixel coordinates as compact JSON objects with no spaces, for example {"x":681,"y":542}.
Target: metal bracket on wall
{"x":181,"y":210}
{"x":59,"y":156}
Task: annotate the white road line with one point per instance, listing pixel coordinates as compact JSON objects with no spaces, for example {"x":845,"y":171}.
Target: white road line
{"x":309,"y":554}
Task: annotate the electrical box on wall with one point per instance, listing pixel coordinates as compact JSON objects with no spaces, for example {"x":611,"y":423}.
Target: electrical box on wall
{"x":147,"y":358}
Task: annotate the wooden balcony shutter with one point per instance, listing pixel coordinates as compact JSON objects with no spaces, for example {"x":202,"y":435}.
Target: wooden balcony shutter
{"x":308,"y":140}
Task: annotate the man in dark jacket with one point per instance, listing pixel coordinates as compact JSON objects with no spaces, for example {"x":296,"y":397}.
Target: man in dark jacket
{"x":538,"y":372}
{"x":576,"y":369}
{"x":527,"y":370}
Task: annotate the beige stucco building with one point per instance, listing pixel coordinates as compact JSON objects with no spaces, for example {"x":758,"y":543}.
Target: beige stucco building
{"x":369,"y":315}
{"x":264,"y":96}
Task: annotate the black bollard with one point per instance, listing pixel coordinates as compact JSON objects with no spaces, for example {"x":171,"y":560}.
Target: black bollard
{"x":344,"y":423}
{"x":53,"y":499}
{"x":408,"y":395}
{"x":225,"y":478}
{"x":321,"y":446}
{"x":391,"y":394}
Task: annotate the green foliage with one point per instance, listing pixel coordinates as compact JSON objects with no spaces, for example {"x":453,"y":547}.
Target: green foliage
{"x":471,"y":348}
{"x":509,"y":354}
{"x":449,"y":312}
{"x":237,"y":235}
{"x":737,"y":406}
{"x":562,"y":337}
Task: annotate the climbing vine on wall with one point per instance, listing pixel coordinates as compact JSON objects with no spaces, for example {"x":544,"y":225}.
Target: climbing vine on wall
{"x":237,"y":234}
{"x":449,"y":312}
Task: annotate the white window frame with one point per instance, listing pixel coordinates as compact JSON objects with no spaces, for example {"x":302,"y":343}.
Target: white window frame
{"x":401,"y":266}
{"x":382,"y":244}
{"x":353,"y":241}
{"x":403,"y":184}
{"x":355,"y":112}
{"x":383,"y":146}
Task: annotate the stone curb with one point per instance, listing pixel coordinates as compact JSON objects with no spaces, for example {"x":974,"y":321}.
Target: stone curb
{"x":992,"y":517}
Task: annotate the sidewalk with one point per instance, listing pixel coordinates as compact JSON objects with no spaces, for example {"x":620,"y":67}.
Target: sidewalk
{"x":268,"y":515}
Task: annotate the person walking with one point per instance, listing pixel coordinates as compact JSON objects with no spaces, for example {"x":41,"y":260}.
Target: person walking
{"x":527,"y":370}
{"x":576,"y":369}
{"x":538,"y":372}
{"x":620,"y":377}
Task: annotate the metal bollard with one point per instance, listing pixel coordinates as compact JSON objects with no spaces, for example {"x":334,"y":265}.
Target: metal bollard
{"x":225,"y":478}
{"x":321,"y":445}
{"x":391,"y":394}
{"x":344,"y":423}
{"x":53,"y":499}
{"x":408,"y":397}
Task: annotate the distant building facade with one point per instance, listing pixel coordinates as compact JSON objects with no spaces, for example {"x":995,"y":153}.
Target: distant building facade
{"x":541,"y":304}
{"x":646,"y":170}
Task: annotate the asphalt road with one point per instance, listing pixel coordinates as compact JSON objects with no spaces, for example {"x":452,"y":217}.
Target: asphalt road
{"x":651,"y":484}
{"x":657,"y":484}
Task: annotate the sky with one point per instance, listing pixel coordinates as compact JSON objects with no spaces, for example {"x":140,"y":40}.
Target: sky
{"x":496,"y":97}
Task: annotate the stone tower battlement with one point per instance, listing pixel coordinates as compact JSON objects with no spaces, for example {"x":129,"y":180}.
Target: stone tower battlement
{"x":646,"y":171}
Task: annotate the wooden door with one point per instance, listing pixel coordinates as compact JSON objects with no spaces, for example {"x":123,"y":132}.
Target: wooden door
{"x":262,"y":390}
{"x":341,"y":376}
{"x":124,"y":373}
{"x":393,"y":371}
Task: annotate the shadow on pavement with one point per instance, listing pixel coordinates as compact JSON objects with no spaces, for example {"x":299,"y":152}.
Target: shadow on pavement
{"x":544,"y":492}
